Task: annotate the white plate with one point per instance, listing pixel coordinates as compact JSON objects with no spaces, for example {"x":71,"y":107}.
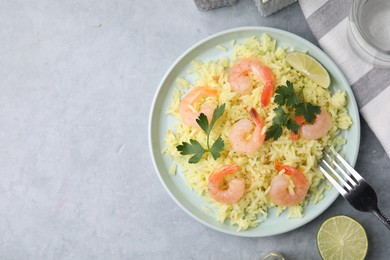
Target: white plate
{"x":159,"y":123}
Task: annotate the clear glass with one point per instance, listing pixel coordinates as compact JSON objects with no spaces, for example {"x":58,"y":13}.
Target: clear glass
{"x":369,"y":31}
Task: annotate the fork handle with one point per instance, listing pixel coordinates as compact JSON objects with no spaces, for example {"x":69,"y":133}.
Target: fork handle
{"x":381,"y":217}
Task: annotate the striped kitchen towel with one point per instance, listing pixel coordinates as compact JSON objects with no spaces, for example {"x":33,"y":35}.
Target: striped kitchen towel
{"x":328,"y":20}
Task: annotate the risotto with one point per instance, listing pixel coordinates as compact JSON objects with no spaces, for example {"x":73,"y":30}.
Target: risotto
{"x":257,"y":169}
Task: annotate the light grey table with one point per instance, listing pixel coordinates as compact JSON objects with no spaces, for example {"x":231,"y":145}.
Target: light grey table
{"x":77,"y":80}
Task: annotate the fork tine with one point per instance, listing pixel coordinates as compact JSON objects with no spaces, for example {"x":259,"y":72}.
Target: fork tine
{"x":354,"y":173}
{"x":346,"y":175}
{"x":352,"y":181}
{"x":348,"y":187}
{"x":333,"y":181}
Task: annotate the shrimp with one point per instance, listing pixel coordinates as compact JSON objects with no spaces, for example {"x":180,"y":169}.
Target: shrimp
{"x":319,"y":128}
{"x":187,"y":111}
{"x":240,"y":131}
{"x":279,"y":191}
{"x":236,"y":187}
{"x":299,"y":120}
{"x":241,"y":81}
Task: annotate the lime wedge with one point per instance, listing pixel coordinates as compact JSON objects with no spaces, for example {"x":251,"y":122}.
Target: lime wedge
{"x":342,"y":237}
{"x":309,"y":67}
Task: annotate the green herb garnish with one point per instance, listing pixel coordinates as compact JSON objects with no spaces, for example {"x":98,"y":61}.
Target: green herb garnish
{"x":287,"y":98}
{"x":308,"y":111}
{"x":286,"y":95}
{"x":195,"y":148}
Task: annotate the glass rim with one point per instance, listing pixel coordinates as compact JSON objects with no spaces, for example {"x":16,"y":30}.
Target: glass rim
{"x":372,"y":50}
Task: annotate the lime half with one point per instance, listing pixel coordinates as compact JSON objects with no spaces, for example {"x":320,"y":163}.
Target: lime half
{"x":310,"y":67}
{"x":342,"y":237}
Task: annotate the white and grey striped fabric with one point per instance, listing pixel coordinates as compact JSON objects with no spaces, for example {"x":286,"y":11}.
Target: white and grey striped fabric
{"x":328,"y":20}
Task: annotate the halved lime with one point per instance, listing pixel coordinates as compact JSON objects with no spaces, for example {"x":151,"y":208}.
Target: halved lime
{"x":310,"y":67}
{"x":342,"y":237}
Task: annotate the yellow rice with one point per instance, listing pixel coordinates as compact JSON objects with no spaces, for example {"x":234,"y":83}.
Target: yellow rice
{"x":257,"y":169}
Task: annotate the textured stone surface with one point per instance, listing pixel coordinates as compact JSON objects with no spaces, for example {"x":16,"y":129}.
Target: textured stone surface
{"x":77,"y":80}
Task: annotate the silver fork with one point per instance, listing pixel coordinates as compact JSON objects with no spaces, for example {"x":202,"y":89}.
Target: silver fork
{"x":352,"y":186}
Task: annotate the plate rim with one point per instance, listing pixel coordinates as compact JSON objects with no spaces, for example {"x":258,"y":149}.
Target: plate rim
{"x":261,"y":29}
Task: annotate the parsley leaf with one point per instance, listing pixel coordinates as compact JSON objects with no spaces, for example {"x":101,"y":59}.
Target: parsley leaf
{"x":218,"y":112}
{"x":203,"y":122}
{"x":308,"y":111}
{"x":281,"y":118}
{"x":195,"y":148}
{"x":292,"y":125}
{"x":287,"y":98}
{"x":285,"y":95}
{"x":275,"y":131}
{"x":217,"y":147}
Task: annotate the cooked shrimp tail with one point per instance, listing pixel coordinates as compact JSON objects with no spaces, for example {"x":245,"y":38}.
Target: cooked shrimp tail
{"x":269,"y":86}
{"x":255,"y":117}
{"x":236,"y":187}
{"x":186,"y":107}
{"x":289,"y":170}
{"x":319,"y":128}
{"x":241,"y":82}
{"x":279,"y":191}
{"x":241,"y":130}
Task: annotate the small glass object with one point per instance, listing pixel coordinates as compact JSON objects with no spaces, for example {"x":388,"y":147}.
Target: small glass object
{"x":369,"y":31}
{"x":204,"y":5}
{"x":273,"y":256}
